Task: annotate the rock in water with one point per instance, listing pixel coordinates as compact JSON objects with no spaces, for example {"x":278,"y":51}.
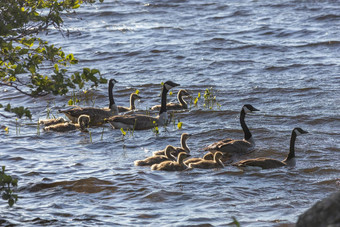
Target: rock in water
{"x":324,"y":213}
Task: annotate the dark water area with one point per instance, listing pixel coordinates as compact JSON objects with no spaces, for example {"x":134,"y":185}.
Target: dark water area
{"x":280,"y":56}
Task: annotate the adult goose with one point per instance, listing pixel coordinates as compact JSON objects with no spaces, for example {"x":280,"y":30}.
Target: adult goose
{"x":184,"y":147}
{"x":176,"y":106}
{"x":172,"y":165}
{"x":268,"y":163}
{"x":209,"y":164}
{"x":207,"y":156}
{"x":133,"y":98}
{"x":157,"y":159}
{"x":230,"y":147}
{"x":140,"y":121}
{"x":97,"y":115}
{"x":83,"y":124}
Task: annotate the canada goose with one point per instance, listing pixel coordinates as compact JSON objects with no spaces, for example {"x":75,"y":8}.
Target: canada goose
{"x":172,"y":165}
{"x":176,"y":106}
{"x":97,"y":115}
{"x":48,"y":122}
{"x":83,"y":124}
{"x":141,"y":122}
{"x":133,"y":98}
{"x":268,"y":163}
{"x":230,"y":147}
{"x":184,"y":147}
{"x":209,"y":164}
{"x":157,"y":159}
{"x":207,"y":156}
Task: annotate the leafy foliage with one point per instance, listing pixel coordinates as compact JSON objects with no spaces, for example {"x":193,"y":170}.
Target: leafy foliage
{"x":19,"y":111}
{"x":29,"y":64}
{"x":6,"y":181}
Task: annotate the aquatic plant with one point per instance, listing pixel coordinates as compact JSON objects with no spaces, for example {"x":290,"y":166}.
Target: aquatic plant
{"x":179,"y":125}
{"x":6,"y":130}
{"x":210,"y":99}
{"x":38,"y":127}
{"x":235,"y":222}
{"x":19,"y":111}
{"x":155,"y":129}
{"x":6,"y":182}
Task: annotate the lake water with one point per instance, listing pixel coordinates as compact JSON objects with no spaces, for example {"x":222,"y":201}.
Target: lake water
{"x":283,"y":57}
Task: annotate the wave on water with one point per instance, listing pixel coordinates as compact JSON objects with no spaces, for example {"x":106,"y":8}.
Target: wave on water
{"x":88,"y":185}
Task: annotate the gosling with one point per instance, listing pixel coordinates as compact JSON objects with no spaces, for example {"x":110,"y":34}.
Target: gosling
{"x":83,"y":124}
{"x":157,"y":159}
{"x":209,"y":164}
{"x":172,"y":165}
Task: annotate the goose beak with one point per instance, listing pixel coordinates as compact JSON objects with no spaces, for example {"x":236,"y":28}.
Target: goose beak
{"x":255,"y":109}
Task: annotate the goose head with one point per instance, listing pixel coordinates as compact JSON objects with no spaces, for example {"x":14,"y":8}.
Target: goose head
{"x":134,"y":96}
{"x":84,"y":121}
{"x":247,"y":108}
{"x":217,"y":156}
{"x":184,"y":92}
{"x":185,"y":136}
{"x":168,"y":152}
{"x":169,"y":84}
{"x":112,"y":82}
{"x":182,"y":156}
{"x":299,"y":131}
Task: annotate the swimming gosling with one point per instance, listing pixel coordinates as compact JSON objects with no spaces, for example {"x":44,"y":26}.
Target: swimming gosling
{"x":209,"y":164}
{"x":83,"y":124}
{"x":172,"y":165}
{"x":157,"y":159}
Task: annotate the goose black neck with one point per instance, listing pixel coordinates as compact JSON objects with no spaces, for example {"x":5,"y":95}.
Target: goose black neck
{"x":181,"y":100}
{"x":163,"y":101}
{"x":291,"y":153}
{"x":112,"y":101}
{"x":247,"y":134}
{"x":132,"y":103}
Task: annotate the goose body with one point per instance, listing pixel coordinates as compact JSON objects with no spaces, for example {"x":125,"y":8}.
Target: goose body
{"x":156,"y":159}
{"x":230,"y":147}
{"x":268,"y":163}
{"x":184,"y":147}
{"x":83,"y":124}
{"x":140,"y":121}
{"x":97,"y":115}
{"x":209,"y":164}
{"x":176,"y":106}
{"x":172,"y":165}
{"x":48,"y":122}
{"x":207,"y":156}
{"x":133,"y":98}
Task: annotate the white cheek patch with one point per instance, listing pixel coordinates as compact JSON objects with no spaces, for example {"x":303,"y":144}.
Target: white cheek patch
{"x":246,"y":110}
{"x":297,"y":132}
{"x":168,"y":87}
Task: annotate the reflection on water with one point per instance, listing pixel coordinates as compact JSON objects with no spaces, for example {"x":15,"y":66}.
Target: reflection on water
{"x":282,"y":58}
